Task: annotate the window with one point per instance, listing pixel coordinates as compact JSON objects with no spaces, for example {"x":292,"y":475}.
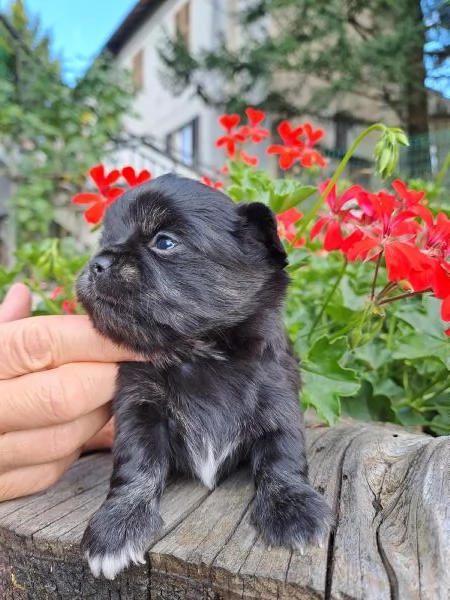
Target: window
{"x":182,"y":144}
{"x":342,"y":128}
{"x":182,"y":22}
{"x":138,"y":71}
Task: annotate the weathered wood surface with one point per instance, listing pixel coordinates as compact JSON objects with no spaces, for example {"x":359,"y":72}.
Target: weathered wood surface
{"x":390,"y":490}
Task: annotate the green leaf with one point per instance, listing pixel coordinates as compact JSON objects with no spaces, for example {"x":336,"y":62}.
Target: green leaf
{"x":325,"y":379}
{"x":415,"y":347}
{"x":296,"y":197}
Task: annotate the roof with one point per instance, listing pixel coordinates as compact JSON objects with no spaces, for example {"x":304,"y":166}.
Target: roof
{"x":142,"y":10}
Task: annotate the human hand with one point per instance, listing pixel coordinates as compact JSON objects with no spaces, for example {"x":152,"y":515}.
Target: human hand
{"x":57,"y":376}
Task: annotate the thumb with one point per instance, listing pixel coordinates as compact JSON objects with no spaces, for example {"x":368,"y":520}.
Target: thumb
{"x":17,"y":304}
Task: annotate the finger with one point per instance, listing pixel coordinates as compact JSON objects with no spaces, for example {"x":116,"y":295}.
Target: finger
{"x":39,"y":446}
{"x":103,"y":440}
{"x":40,"y":343}
{"x":17,"y":303}
{"x":30,"y":480}
{"x":58,"y":396}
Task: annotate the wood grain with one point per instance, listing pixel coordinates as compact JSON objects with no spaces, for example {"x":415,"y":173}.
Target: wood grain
{"x":389,"y":489}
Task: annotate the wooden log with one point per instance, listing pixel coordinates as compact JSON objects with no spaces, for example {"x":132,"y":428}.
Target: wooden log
{"x":390,"y":490}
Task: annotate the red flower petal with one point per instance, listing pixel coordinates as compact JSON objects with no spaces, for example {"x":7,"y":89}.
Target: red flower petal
{"x":286,"y":161}
{"x":289,"y":217}
{"x":69,"y":306}
{"x":445,"y":309}
{"x":86,"y":198}
{"x":101,"y":180}
{"x":217,"y":185}
{"x":228,"y":122}
{"x":290,"y":136}
{"x":312,"y":135}
{"x":441,"y":281}
{"x":132,"y":179}
{"x":94,"y":214}
{"x":410,"y":197}
{"x":333,"y":237}
{"x":255,"y":117}
{"x":275,"y":149}
{"x":114,"y":193}
{"x":249,"y":160}
{"x":361,"y":249}
{"x":56,"y":292}
{"x":317,"y":227}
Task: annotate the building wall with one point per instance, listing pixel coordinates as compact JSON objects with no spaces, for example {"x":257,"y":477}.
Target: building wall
{"x":159,"y":111}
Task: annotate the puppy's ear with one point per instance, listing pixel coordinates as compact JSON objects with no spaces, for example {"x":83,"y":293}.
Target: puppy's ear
{"x":261,"y":220}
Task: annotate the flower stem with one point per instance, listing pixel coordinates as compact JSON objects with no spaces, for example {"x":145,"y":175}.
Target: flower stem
{"x":375,"y":277}
{"x":419,"y":398}
{"x":400,"y":297}
{"x":443,"y":171}
{"x":312,"y":213}
{"x":438,"y":392}
{"x":328,"y":298}
{"x":388,"y":288}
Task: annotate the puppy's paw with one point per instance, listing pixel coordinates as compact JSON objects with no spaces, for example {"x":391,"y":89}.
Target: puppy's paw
{"x":292,"y":516}
{"x":116,"y":538}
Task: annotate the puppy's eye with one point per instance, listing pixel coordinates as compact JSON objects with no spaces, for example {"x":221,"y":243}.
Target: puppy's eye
{"x":164,"y":242}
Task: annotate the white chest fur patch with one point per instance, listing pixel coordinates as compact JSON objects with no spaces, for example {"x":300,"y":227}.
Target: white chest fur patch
{"x":207,"y":460}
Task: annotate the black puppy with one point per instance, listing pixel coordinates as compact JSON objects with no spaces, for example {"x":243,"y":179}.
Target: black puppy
{"x":197,"y":283}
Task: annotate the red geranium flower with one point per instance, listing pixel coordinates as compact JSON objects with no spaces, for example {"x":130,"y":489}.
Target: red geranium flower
{"x":295,"y":149}
{"x":288,"y":155}
{"x":95,"y":213}
{"x":392,"y":234}
{"x":434,"y":242}
{"x":331,"y":223}
{"x":286,"y":226}
{"x":253,"y":131}
{"x":107,"y":195}
{"x":217,"y":185}
{"x":230,"y":139}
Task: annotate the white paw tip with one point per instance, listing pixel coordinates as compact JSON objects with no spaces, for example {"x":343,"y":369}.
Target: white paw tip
{"x":111,"y":564}
{"x":300,"y":548}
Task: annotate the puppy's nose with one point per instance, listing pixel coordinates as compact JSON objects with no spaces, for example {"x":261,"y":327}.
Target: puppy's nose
{"x":100,"y":264}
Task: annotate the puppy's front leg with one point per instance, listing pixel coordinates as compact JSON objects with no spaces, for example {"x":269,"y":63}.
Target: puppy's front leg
{"x":120,"y":531}
{"x":287,"y":509}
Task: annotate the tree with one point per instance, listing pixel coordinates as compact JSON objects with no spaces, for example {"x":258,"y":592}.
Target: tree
{"x":51,"y":133}
{"x":369,"y":48}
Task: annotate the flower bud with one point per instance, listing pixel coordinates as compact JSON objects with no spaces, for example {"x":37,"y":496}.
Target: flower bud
{"x":386,"y":150}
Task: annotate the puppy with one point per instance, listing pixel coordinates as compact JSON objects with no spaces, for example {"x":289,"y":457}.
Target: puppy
{"x":197,"y":283}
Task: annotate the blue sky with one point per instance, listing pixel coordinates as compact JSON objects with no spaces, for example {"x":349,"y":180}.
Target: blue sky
{"x":79,"y":27}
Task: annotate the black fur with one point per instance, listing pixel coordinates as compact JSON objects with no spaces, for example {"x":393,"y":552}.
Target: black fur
{"x":222,"y":380}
